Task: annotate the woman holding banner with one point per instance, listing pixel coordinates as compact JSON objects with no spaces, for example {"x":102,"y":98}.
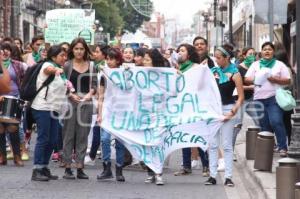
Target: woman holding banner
{"x":189,"y":57}
{"x":153,"y":58}
{"x":114,"y":60}
{"x":228,"y":78}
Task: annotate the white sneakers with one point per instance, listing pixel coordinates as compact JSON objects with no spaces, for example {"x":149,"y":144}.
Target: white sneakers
{"x":89,"y":161}
{"x":157,"y":179}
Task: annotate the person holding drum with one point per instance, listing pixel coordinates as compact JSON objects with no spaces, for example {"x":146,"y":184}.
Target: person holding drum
{"x":46,"y":108}
{"x":4,"y":78}
{"x":11,"y":107}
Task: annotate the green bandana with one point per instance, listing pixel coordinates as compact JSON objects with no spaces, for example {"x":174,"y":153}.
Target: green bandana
{"x":63,"y":75}
{"x":186,"y":66}
{"x":267,"y":63}
{"x":249,"y":60}
{"x":6,"y":63}
{"x":221,"y":72}
{"x":97,"y":64}
{"x":36,"y":56}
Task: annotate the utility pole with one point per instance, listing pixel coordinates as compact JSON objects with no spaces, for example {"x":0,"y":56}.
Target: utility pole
{"x":271,"y":19}
{"x":230,"y":22}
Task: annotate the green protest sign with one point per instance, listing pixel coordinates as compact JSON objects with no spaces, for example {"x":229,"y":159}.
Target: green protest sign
{"x":63,"y":25}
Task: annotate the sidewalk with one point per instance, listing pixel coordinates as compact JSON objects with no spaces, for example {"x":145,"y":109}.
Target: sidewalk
{"x":265,"y":180}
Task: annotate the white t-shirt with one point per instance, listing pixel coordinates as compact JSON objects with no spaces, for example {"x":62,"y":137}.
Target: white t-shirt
{"x":263,"y":87}
{"x":56,"y":96}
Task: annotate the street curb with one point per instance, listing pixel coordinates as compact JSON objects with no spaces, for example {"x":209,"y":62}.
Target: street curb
{"x":248,"y":165}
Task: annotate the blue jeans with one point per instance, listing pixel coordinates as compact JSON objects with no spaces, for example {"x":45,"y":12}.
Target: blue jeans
{"x":272,"y":121}
{"x":59,"y":142}
{"x":106,"y":151}
{"x":95,"y":141}
{"x":186,"y":157}
{"x":225,"y":132}
{"x":47,"y":130}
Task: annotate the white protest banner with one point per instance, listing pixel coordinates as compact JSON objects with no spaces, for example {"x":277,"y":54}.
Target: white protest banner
{"x":154,"y":111}
{"x":64,"y":25}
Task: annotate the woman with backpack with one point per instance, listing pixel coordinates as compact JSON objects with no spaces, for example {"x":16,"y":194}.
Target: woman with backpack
{"x":46,"y":107}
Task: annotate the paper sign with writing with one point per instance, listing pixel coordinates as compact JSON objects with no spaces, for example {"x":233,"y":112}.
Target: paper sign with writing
{"x":64,"y":25}
{"x":154,"y":111}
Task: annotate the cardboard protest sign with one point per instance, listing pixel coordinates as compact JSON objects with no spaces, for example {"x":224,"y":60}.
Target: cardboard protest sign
{"x":64,"y":25}
{"x":154,"y":111}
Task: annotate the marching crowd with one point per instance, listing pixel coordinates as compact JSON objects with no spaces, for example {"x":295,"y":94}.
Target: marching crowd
{"x":68,"y":73}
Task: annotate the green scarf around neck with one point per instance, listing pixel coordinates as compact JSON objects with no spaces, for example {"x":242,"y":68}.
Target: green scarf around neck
{"x":36,"y":56}
{"x":97,"y":64}
{"x":267,"y":63}
{"x":63,"y":75}
{"x":186,"y":66}
{"x":6,"y":63}
{"x":249,"y":60}
{"x":223,"y":78}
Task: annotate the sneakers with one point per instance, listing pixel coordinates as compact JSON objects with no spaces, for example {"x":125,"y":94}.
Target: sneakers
{"x":150,"y":179}
{"x":221,"y":165}
{"x":205,"y":172}
{"x":159,"y":180}
{"x":228,"y":182}
{"x":195,"y":163}
{"x":283,"y":153}
{"x":276,"y":149}
{"x":24,"y":156}
{"x":10,"y":155}
{"x":55,"y":157}
{"x":183,"y":171}
{"x":211,"y":181}
{"x":89,"y":161}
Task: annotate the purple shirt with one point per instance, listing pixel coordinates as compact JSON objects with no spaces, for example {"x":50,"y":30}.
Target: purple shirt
{"x":13,"y":82}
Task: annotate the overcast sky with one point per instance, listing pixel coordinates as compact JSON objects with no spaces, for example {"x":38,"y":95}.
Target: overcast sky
{"x":182,"y":10}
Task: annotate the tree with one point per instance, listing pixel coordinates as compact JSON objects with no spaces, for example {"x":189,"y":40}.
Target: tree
{"x":132,"y":19}
{"x":109,"y":15}
{"x":118,"y":16}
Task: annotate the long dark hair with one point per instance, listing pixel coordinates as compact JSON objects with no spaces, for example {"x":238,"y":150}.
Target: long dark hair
{"x":16,"y":54}
{"x":192,"y":53}
{"x":87,"y":52}
{"x":157,"y":59}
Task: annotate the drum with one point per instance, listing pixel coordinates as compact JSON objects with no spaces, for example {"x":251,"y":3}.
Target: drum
{"x":10,"y":109}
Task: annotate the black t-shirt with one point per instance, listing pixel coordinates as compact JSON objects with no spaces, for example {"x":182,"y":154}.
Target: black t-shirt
{"x":248,"y":93}
{"x":226,"y":90}
{"x":83,"y":86}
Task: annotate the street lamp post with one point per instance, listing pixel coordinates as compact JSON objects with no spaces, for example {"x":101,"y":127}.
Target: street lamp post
{"x":206,"y":19}
{"x":223,"y":8}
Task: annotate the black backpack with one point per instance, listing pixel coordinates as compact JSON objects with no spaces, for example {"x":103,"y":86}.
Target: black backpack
{"x":28,"y":90}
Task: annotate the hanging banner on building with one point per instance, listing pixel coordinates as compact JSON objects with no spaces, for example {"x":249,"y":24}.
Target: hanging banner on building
{"x":262,"y":13}
{"x":64,"y":25}
{"x":154,"y":111}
